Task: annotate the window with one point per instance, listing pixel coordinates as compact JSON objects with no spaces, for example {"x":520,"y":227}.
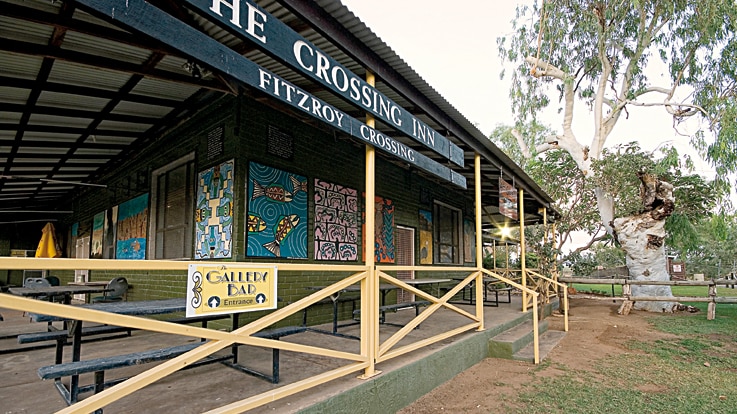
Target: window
{"x":447,"y":234}
{"x":172,"y":210}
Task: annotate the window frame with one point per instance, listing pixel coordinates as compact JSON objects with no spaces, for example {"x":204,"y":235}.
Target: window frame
{"x":456,"y":243}
{"x":188,"y":213}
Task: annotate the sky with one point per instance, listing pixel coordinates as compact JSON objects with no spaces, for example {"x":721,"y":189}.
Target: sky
{"x":453,"y":46}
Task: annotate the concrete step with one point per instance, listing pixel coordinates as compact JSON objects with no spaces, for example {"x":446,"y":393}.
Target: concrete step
{"x":548,"y":341}
{"x":509,"y":342}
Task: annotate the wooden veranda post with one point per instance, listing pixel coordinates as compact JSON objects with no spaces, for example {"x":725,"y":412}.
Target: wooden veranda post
{"x":479,"y":246}
{"x":522,"y":246}
{"x":370,"y":286}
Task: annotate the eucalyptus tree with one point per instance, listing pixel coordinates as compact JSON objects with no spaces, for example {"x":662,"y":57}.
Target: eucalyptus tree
{"x":596,"y":53}
{"x":716,"y":255}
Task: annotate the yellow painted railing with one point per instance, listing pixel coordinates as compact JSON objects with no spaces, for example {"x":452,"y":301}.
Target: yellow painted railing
{"x":530,"y":293}
{"x":218,"y":340}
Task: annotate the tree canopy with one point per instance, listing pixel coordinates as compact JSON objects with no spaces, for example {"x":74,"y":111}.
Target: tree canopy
{"x":598,"y":53}
{"x":614,"y":173}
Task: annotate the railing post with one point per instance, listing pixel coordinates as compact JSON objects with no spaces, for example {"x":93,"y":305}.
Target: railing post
{"x":535,"y":331}
{"x":522,"y":246}
{"x":479,"y":245}
{"x":370,"y":285}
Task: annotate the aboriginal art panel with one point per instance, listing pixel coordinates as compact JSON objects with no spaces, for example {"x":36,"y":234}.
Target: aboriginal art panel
{"x":214,"y":212}
{"x":73,"y":236}
{"x":109,"y":228}
{"x":131,"y":229}
{"x":98,"y":230}
{"x":425,"y":237}
{"x":336,"y":222}
{"x":383,"y":230}
{"x":469,"y":241}
{"x":277,"y":213}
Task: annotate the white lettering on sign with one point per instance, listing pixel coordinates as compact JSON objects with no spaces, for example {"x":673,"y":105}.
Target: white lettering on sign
{"x":255,"y":18}
{"x":316,"y":62}
{"x":423,"y":132}
{"x":302,"y":99}
{"x":389,"y":144}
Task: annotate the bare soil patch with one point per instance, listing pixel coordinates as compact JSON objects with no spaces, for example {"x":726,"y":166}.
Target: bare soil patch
{"x":595,"y":332}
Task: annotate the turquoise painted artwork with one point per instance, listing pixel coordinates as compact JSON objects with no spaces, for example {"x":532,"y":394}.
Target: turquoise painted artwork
{"x":277,"y":213}
{"x":98,"y":230}
{"x":131,"y":229}
{"x":214,"y":212}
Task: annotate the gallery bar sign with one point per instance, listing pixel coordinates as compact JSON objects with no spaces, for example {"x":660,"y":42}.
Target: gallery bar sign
{"x":221,"y":289}
{"x":250,"y":22}
{"x":147,"y":19}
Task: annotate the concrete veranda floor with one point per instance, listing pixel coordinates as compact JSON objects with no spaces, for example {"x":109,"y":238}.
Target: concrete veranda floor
{"x":214,"y":385}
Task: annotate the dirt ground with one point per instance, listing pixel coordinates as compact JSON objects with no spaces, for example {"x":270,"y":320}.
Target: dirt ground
{"x":596,"y":331}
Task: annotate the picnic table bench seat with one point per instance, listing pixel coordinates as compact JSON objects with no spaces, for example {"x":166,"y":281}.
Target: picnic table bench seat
{"x":394,"y":308}
{"x":62,"y":336}
{"x":328,"y":301}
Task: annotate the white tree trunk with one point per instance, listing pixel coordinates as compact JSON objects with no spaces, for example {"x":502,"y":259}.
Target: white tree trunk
{"x":642,"y":237}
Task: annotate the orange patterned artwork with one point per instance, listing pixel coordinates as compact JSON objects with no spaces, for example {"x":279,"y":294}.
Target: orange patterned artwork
{"x":425,"y":237}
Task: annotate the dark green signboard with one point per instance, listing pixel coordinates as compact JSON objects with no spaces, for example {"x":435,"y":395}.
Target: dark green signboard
{"x":249,"y":21}
{"x":143,"y":17}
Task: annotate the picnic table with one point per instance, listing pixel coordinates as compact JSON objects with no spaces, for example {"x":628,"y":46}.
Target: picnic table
{"x":53,"y":291}
{"x":146,"y":308}
{"x":384,"y":288}
{"x":431,"y":282}
{"x":75,"y":331}
{"x":489,"y":286}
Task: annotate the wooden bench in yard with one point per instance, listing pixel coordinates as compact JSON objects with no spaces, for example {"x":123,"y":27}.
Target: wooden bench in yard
{"x":99,"y":365}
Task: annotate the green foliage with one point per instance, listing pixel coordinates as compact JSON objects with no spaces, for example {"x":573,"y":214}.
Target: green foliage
{"x":574,"y":194}
{"x":611,"y":44}
{"x":533,"y":134}
{"x":614,"y":173}
{"x":716,"y":254}
{"x":581,"y":264}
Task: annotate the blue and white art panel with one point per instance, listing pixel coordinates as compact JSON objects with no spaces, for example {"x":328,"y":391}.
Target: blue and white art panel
{"x":214,"y":212}
{"x":277,"y":213}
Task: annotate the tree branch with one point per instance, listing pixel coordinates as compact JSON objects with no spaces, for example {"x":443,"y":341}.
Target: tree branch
{"x":567,"y":141}
{"x":543,"y":68}
{"x":592,"y":241}
{"x":522,"y":144}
